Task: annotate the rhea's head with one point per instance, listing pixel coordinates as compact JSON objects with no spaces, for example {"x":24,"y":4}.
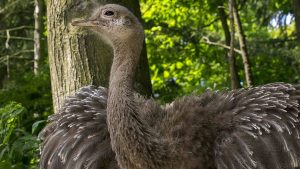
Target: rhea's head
{"x":115,"y":23}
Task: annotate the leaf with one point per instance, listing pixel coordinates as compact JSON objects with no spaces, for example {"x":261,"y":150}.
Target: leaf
{"x":179,"y":65}
{"x":36,"y":125}
{"x":17,"y":111}
{"x":166,"y":74}
{"x":4,"y":150}
{"x":8,"y":134}
{"x":5,"y":165}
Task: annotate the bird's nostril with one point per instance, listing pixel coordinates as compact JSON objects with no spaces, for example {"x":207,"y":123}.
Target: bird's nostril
{"x":96,"y":22}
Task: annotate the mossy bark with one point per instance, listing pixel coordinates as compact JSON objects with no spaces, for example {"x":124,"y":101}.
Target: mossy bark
{"x":243,"y":45}
{"x":296,"y":7}
{"x":229,"y":41}
{"x":77,"y":56}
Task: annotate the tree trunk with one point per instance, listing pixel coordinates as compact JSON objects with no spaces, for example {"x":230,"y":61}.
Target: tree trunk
{"x":243,"y":46}
{"x":3,"y":75}
{"x":78,"y":57}
{"x":38,"y":30}
{"x":296,"y":6}
{"x":229,"y":40}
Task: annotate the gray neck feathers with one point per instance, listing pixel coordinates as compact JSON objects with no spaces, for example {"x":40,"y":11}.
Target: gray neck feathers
{"x":135,"y":145}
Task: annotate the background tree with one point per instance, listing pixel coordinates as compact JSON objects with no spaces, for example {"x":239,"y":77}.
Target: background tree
{"x":25,"y":98}
{"x":38,"y":33}
{"x":242,"y":43}
{"x":296,"y":10}
{"x":175,"y":32}
{"x":229,"y":41}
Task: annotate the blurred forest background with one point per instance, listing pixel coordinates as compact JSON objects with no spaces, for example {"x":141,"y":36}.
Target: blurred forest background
{"x":188,"y":45}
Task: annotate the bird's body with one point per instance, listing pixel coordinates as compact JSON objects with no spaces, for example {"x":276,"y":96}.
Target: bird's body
{"x":115,"y":128}
{"x":246,"y":127}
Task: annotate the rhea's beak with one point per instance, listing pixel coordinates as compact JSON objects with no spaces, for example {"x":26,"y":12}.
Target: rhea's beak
{"x":85,"y":23}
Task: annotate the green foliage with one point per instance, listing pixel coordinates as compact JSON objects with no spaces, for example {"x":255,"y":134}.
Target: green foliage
{"x":16,"y":39}
{"x":21,"y":124}
{"x":180,"y":61}
{"x":18,"y":148}
{"x":25,"y":98}
{"x":33,"y":91}
{"x":16,"y":20}
{"x":179,"y":64}
{"x":272,"y":9}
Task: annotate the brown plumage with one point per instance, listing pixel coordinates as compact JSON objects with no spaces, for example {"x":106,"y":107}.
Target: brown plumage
{"x":240,"y":129}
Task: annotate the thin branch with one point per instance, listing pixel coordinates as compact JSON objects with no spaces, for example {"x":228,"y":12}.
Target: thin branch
{"x":17,"y":28}
{"x":7,"y":67}
{"x":23,"y":51}
{"x":207,"y":41}
{"x":15,"y":55}
{"x":7,"y":39}
{"x":8,"y":6}
{"x":272,"y":41}
{"x":210,"y":23}
{"x":16,"y":37}
{"x":37,"y":34}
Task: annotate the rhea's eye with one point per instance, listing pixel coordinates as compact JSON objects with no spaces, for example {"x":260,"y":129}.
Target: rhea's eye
{"x":109,"y":13}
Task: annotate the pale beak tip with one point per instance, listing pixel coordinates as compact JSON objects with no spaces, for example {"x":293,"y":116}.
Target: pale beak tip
{"x":81,"y":23}
{"x":77,"y":23}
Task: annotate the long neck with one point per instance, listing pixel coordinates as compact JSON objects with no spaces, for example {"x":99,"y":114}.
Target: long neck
{"x":123,"y":66}
{"x":135,"y":144}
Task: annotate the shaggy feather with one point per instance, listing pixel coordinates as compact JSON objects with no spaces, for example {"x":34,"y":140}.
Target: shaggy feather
{"x":255,"y":128}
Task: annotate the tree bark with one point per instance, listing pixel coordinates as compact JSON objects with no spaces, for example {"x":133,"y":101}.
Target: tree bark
{"x":3,"y":75}
{"x":38,"y":27}
{"x":296,"y":6}
{"x":229,"y":41}
{"x":77,"y":56}
{"x":243,"y":45}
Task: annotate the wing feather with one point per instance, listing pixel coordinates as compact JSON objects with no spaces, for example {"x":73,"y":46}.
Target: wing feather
{"x":77,"y":136}
{"x":261,"y":128}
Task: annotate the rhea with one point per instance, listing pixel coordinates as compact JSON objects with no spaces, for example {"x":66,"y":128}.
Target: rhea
{"x":115,"y":128}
